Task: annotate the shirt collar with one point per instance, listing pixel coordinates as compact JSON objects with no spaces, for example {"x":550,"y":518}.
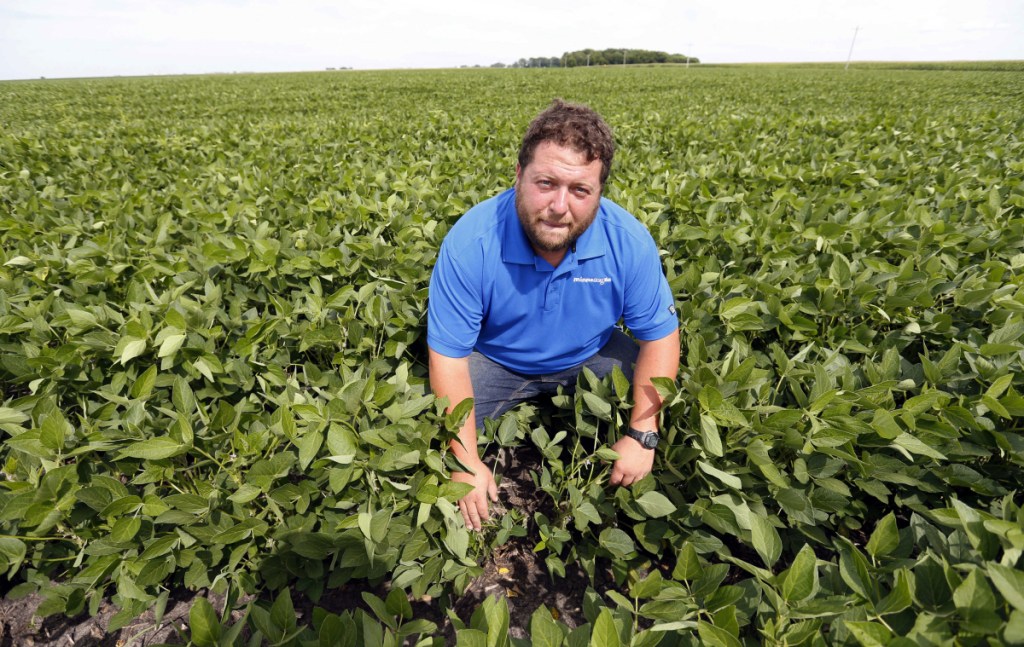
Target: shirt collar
{"x":516,"y":248}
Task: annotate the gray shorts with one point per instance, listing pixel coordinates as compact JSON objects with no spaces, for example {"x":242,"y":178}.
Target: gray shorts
{"x":497,"y":389}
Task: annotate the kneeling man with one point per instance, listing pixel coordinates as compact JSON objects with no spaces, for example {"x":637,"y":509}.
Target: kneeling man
{"x":529,"y":287}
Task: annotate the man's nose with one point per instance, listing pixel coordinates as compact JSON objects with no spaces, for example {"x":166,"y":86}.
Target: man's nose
{"x":560,"y":201}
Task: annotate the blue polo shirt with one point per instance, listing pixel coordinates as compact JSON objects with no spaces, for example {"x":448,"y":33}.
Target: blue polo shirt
{"x":491,"y":292}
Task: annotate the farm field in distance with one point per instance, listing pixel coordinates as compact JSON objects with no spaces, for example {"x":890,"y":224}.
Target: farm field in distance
{"x":213,"y":395}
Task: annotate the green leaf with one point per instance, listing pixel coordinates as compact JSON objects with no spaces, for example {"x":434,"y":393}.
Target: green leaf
{"x":604,"y":633}
{"x":132,"y":349}
{"x":655,"y":504}
{"x":18,"y":261}
{"x":899,"y":598}
{"x":620,"y":382}
{"x":710,"y":439}
{"x":915,"y":446}
{"x":974,"y":527}
{"x":1013,"y":633}
{"x":309,"y":445}
{"x":496,"y":611}
{"x":885,"y":425}
{"x":648,"y":587}
{"x":727,"y":479}
{"x":885,"y":538}
{"x":854,"y":570}
{"x":282,"y":613}
{"x":405,"y":409}
{"x":687,"y":564}
{"x":597,"y":405}
{"x":544,"y":631}
{"x":170,"y":345}
{"x":182,"y":396}
{"x":12,"y":554}
{"x":312,"y":545}
{"x":801,"y":580}
{"x":143,"y":386}
{"x":1009,"y":582}
{"x":125,"y":529}
{"x":716,"y":636}
{"x":470,"y":638}
{"x":666,"y":388}
{"x":457,"y":541}
{"x":931,"y":590}
{"x":454,"y":420}
{"x":999,"y":386}
{"x":869,"y":634}
{"x":925,"y":402}
{"x":398,"y":604}
{"x":617,"y":542}
{"x":240,"y":531}
{"x":54,"y":431}
{"x":9,"y":416}
{"x":766,"y":539}
{"x":154,"y":449}
{"x":204,"y":623}
{"x":606,"y":453}
{"x":159,"y":547}
{"x":977,"y":603}
{"x":380,"y":609}
{"x":974,"y":593}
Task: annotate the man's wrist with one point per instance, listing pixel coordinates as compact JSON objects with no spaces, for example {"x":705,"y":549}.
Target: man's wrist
{"x":647,"y":439}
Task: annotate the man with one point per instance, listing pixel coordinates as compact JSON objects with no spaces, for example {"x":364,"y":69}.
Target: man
{"x":529,"y":286}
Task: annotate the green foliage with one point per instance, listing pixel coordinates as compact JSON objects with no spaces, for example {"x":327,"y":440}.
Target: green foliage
{"x":212,"y":359}
{"x":586,"y":57}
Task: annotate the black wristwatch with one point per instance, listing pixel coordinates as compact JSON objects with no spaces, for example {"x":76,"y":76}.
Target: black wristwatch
{"x":649,"y":439}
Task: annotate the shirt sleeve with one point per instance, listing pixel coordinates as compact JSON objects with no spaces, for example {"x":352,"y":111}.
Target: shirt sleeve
{"x":454,"y":307}
{"x":649,"y":310}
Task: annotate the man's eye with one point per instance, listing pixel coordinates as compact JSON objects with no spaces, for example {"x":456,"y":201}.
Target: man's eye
{"x":582,"y":192}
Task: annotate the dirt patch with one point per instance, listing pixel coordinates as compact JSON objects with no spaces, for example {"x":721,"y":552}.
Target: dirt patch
{"x":21,"y":627}
{"x":514,"y":571}
{"x":518,"y":574}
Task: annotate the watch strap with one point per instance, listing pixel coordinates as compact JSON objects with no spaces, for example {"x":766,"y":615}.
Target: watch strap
{"x":648,"y":439}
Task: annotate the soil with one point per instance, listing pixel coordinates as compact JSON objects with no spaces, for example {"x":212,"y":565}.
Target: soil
{"x":513,"y":571}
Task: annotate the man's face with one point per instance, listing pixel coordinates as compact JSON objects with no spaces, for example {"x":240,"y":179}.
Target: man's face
{"x":557,"y":196}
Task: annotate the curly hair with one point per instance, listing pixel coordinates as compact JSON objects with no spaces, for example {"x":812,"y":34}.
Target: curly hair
{"x":572,"y":125}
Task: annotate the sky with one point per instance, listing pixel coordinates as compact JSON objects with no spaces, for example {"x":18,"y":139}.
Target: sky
{"x":72,"y":38}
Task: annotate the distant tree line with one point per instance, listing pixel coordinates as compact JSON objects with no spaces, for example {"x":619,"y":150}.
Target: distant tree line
{"x":541,"y":61}
{"x":613,"y":56}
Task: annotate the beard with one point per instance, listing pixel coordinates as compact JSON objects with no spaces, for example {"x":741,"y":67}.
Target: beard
{"x":547,"y":240}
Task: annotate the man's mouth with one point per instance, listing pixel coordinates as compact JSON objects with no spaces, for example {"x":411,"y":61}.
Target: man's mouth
{"x":554,"y":225}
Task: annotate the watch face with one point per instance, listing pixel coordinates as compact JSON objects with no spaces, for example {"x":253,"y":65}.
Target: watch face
{"x":648,"y":439}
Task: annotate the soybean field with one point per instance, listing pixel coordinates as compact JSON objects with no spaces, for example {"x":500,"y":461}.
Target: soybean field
{"x":213,"y":390}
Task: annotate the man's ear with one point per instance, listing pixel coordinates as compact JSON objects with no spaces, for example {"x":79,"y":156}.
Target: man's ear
{"x":519,"y":172}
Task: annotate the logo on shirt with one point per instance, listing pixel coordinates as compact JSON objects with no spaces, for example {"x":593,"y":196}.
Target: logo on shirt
{"x":586,"y":279}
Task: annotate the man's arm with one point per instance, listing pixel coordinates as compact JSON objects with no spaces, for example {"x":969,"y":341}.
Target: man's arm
{"x":449,"y":377}
{"x":657,"y":358}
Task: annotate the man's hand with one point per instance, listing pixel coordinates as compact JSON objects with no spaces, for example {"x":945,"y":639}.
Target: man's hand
{"x":657,"y":358}
{"x":474,"y":505}
{"x":635,"y":462}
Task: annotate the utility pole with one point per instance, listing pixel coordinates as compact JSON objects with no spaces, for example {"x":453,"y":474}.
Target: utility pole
{"x":623,"y":57}
{"x":689,"y":46}
{"x":850,"y":55}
